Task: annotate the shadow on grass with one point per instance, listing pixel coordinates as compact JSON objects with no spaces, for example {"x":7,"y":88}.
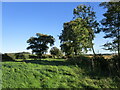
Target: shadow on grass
{"x":47,"y":62}
{"x":88,"y":70}
{"x":61,"y":63}
{"x":96,"y":75}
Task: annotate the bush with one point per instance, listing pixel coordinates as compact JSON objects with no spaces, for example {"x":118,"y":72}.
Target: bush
{"x":19,"y":56}
{"x":109,"y":67}
{"x":116,"y":58}
{"x":64,"y":57}
{"x":115,"y":61}
{"x":98,"y":65}
{"x":55,"y":52}
{"x":5,"y":57}
{"x":33,"y":57}
{"x":79,"y":59}
{"x":26,"y":56}
{"x":12,"y":55}
{"x":50,"y":56}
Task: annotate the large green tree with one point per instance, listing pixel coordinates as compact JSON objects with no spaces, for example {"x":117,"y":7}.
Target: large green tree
{"x":39,"y":44}
{"x":86,"y":12}
{"x":111,"y":25}
{"x":75,"y":37}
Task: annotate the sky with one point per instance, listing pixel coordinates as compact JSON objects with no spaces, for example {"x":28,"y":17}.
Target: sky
{"x":22,"y":20}
{"x":0,"y":27}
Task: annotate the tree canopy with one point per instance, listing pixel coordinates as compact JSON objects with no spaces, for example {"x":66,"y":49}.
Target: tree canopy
{"x":77,"y":35}
{"x":56,"y":52}
{"x":39,"y":44}
{"x":86,"y":12}
{"x":111,"y":25}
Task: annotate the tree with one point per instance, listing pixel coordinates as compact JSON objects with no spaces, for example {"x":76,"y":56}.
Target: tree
{"x":55,"y":52}
{"x":87,"y":13}
{"x":75,"y":37}
{"x":111,"y":25}
{"x":78,"y":34}
{"x":39,"y":44}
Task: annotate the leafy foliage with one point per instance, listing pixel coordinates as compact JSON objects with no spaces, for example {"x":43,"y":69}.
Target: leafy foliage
{"x":75,"y":37}
{"x":6,"y":57}
{"x":56,"y":52}
{"x":111,"y":25}
{"x":87,"y":14}
{"x":39,"y":44}
{"x":19,"y":56}
{"x":98,"y":65}
{"x":78,"y":34}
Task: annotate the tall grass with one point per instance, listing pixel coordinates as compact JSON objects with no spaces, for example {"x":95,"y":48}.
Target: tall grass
{"x":52,"y":73}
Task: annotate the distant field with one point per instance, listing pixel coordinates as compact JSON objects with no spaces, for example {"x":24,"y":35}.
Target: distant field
{"x":50,"y":73}
{"x":105,"y":56}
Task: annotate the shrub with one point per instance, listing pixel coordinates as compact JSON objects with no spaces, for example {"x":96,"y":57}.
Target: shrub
{"x":12,"y":55}
{"x":32,"y":56}
{"x":55,"y":52}
{"x":64,"y":57}
{"x":5,"y":57}
{"x":78,"y":59}
{"x":116,"y":58}
{"x":115,"y":61}
{"x":19,"y":56}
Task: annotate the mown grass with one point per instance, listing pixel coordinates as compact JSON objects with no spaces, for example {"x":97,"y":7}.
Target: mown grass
{"x":50,"y":73}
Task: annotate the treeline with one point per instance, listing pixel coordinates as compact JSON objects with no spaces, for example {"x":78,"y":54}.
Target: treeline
{"x":78,"y":34}
{"x":24,"y":56}
{"x":13,"y":56}
{"x":54,"y":53}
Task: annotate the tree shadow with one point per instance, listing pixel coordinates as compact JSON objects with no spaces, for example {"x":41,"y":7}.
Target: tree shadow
{"x":88,"y":72}
{"x":88,"y":69}
{"x":47,"y":62}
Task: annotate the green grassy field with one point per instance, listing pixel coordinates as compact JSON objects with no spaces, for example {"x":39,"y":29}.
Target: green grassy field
{"x":51,"y":73}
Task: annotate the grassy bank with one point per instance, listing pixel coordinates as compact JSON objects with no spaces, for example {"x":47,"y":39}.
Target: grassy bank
{"x":51,"y":73}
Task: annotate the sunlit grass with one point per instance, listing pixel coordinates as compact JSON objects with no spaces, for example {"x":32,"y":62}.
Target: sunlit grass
{"x":50,"y":73}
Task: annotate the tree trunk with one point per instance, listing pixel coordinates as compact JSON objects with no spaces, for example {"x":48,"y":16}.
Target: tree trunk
{"x":118,"y":43}
{"x":94,"y":55}
{"x":118,"y":37}
{"x":93,"y":51}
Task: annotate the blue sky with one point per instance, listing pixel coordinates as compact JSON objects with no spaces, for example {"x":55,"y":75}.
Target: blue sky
{"x":0,"y":26}
{"x":22,"y":20}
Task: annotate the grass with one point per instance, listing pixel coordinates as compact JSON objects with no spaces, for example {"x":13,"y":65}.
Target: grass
{"x":50,"y":73}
